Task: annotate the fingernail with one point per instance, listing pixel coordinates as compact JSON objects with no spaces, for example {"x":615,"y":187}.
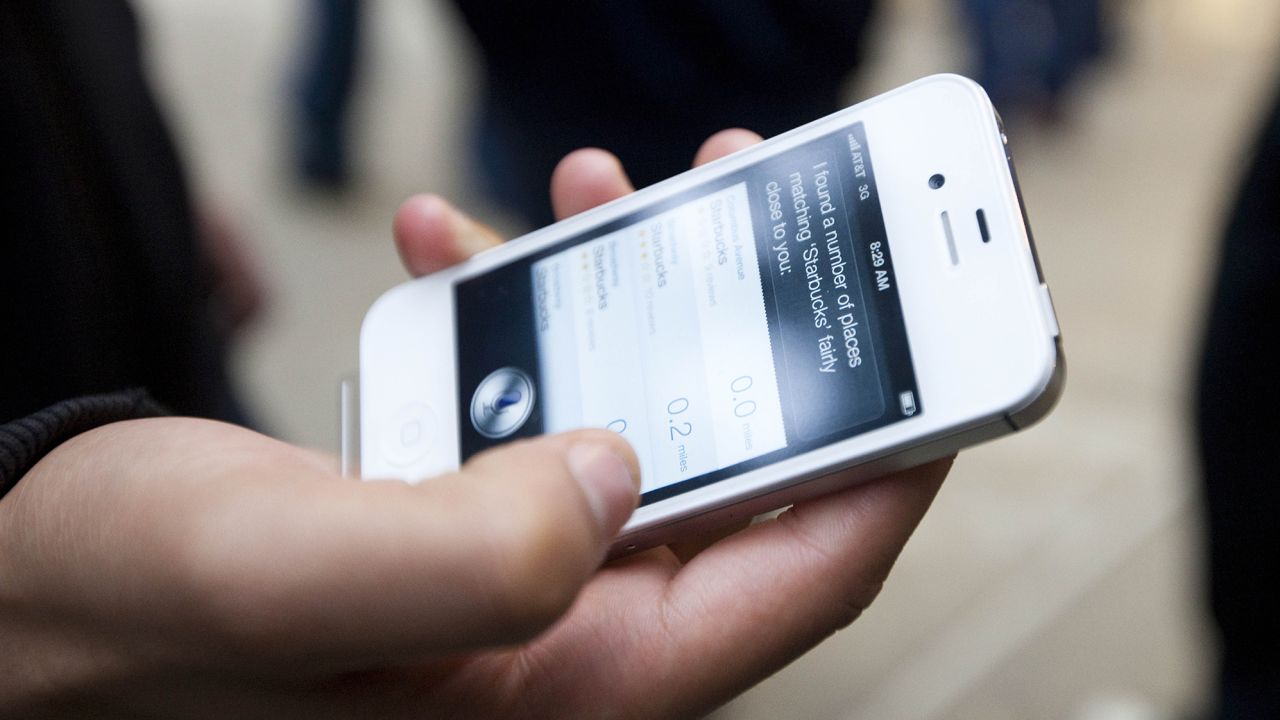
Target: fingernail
{"x":471,"y":237}
{"x":606,"y":482}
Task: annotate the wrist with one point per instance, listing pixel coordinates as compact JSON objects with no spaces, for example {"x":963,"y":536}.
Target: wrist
{"x":25,"y":441}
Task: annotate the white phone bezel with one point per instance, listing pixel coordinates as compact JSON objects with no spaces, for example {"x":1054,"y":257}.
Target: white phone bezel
{"x":981,"y":337}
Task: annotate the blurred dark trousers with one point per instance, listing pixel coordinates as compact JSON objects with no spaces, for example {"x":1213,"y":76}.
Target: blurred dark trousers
{"x":326,"y":79}
{"x":648,"y":81}
{"x":1238,"y":423}
{"x":1030,"y":50}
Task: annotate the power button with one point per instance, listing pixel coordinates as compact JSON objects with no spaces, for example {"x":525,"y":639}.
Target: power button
{"x":1051,"y":315}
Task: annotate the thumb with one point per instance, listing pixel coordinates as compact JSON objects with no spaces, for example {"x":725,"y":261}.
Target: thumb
{"x":541,"y":516}
{"x":379,"y":571}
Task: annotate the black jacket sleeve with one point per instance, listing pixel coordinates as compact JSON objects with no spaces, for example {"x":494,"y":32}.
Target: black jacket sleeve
{"x":24,"y":442}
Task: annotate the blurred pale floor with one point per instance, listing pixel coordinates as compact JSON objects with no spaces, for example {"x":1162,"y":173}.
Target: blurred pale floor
{"x":1057,"y":575}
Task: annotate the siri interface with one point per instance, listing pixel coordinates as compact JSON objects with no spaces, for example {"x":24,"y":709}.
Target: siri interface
{"x":750,"y":319}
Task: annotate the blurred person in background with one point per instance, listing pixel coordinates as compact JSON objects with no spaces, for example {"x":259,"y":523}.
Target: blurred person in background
{"x":1238,"y":424}
{"x":110,"y":278}
{"x":1029,"y":52}
{"x":647,"y":80}
{"x":328,"y":65}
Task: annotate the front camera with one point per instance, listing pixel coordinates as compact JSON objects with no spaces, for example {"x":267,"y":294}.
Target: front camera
{"x":937,"y":181}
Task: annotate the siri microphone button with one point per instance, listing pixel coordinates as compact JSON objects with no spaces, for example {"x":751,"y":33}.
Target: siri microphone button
{"x":502,"y":403}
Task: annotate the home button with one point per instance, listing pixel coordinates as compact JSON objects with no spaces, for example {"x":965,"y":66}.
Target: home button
{"x":408,"y":435}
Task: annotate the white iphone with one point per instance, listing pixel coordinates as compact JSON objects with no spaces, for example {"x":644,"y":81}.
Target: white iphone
{"x":858,"y":294}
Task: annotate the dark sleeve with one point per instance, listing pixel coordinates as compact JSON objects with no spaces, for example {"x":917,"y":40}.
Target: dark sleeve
{"x":102,"y":280}
{"x":24,"y":442}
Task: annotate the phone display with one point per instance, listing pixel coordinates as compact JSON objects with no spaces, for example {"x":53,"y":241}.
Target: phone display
{"x":749,"y":319}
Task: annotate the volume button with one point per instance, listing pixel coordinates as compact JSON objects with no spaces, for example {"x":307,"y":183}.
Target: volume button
{"x":1046,"y":302}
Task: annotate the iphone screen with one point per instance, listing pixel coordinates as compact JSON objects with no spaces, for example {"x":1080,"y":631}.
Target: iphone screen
{"x":749,"y":319}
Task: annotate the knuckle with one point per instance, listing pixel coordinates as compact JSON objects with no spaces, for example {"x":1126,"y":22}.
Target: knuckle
{"x":540,"y":565}
{"x":847,"y":600}
{"x":848,"y":607}
{"x":227,"y":610}
{"x":234,"y":598}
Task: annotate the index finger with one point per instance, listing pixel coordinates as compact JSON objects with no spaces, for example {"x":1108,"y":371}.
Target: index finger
{"x":725,"y":142}
{"x":787,"y":584}
{"x":431,"y":234}
{"x":740,"y":610}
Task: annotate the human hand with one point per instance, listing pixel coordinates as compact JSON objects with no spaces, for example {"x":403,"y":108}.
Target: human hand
{"x":752,"y":612}
{"x":182,"y":568}
{"x":185,"y":568}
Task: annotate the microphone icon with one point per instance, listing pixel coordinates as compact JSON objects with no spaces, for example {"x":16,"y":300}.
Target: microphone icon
{"x":502,"y":403}
{"x":505,"y":401}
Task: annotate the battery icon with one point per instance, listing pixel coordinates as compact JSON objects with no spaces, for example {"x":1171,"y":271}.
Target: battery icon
{"x":907,"y":401}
